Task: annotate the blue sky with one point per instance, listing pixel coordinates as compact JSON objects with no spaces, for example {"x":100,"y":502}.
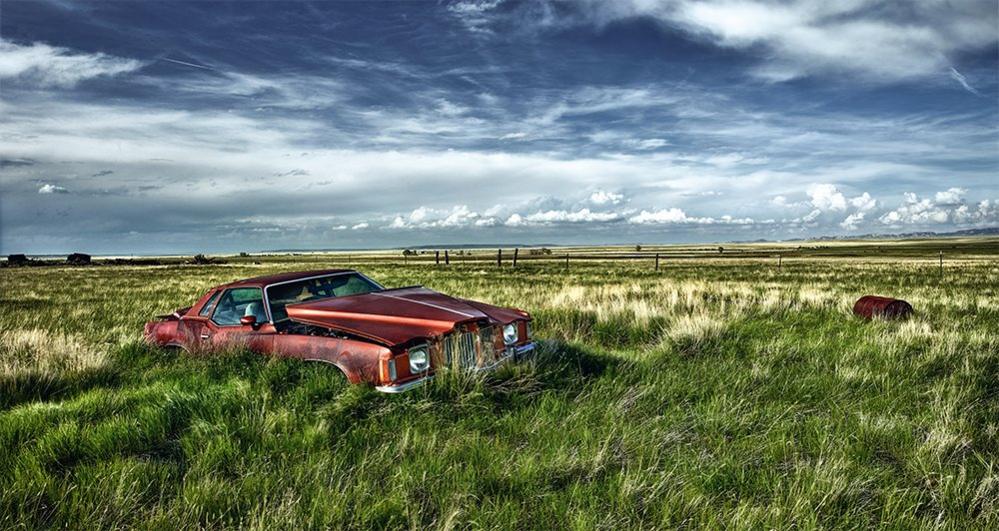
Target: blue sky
{"x":202,"y":126}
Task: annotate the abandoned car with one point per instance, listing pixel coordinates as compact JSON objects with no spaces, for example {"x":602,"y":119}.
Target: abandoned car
{"x":395,"y":339}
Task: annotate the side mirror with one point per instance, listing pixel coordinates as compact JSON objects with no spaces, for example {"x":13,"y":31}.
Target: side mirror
{"x":249,"y":320}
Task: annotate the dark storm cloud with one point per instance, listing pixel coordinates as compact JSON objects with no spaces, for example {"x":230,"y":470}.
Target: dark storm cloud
{"x":16,"y":163}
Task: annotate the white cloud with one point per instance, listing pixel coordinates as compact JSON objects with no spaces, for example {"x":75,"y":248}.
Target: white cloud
{"x":826,"y":197}
{"x":810,"y":217}
{"x":733,"y":159}
{"x":429,"y":218}
{"x":601,"y":197}
{"x":946,"y":206}
{"x":671,"y":215}
{"x":563,"y":216}
{"x":678,"y":216}
{"x":915,"y":211}
{"x":52,"y":189}
{"x":985,"y":213}
{"x":474,"y":14}
{"x":851,"y":222}
{"x":51,"y":66}
{"x":864,"y":202}
{"x":514,"y":136}
{"x":804,"y":37}
{"x":646,"y":143}
{"x":963,"y":81}
{"x":514,"y":221}
{"x":359,"y":226}
{"x":950,"y":197}
{"x":339,"y":227}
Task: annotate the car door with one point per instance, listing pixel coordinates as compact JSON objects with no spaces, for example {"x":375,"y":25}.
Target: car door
{"x":224,"y":329}
{"x":194,"y":328}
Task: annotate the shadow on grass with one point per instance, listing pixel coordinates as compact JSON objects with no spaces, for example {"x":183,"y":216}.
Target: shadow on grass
{"x":27,"y":387}
{"x":556,"y":367}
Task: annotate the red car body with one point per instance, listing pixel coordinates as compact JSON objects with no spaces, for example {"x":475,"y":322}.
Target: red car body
{"x":395,"y":339}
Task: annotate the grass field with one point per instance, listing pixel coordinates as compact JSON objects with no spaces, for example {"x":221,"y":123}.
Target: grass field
{"x":716,"y":392}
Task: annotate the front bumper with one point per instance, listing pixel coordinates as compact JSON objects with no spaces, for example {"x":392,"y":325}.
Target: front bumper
{"x":513,"y":353}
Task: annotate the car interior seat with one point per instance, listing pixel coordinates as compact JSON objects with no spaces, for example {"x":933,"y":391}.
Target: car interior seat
{"x":256,"y":309}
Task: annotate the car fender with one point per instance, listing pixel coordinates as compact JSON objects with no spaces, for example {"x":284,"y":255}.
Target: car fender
{"x":358,"y":360}
{"x":162,"y":334}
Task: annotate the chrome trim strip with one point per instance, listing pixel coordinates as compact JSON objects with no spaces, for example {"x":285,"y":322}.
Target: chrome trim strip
{"x":402,"y":388}
{"x":452,"y":310}
{"x":525,"y":348}
{"x":511,"y":353}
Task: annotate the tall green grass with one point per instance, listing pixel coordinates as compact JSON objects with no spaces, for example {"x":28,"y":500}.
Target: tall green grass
{"x":709,"y":394}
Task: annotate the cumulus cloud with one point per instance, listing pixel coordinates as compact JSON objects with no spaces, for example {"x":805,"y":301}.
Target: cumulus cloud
{"x":52,"y":66}
{"x":359,"y":226}
{"x":564,"y":216}
{"x":429,"y":218}
{"x":826,"y":197}
{"x":984,"y":213}
{"x":852,"y":221}
{"x":945,"y":207}
{"x":950,"y":197}
{"x":678,"y":216}
{"x":601,"y":197}
{"x":52,"y":189}
{"x":863,"y":203}
{"x":487,"y":222}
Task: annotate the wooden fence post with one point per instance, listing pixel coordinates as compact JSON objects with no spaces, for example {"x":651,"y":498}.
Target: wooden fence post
{"x":779,"y":257}
{"x":499,"y":257}
{"x":941,"y":262}
{"x":447,"y":259}
{"x":437,"y":257}
{"x":567,"y":260}
{"x":657,"y":261}
{"x":515,"y":252}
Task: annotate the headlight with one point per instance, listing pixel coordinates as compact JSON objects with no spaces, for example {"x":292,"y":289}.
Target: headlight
{"x":419,"y":361}
{"x":510,"y":334}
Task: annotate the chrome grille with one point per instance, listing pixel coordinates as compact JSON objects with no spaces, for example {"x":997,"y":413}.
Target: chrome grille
{"x":487,"y":342}
{"x":461,"y":348}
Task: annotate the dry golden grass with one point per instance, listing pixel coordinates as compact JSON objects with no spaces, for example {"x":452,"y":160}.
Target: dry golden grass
{"x":40,"y":351}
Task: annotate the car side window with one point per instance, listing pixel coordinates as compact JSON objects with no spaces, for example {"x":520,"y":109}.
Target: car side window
{"x":237,"y":302}
{"x":210,"y":305}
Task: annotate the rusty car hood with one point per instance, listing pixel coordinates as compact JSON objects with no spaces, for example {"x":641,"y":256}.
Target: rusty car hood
{"x":396,"y":316}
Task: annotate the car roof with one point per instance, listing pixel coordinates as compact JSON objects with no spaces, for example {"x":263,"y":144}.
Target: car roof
{"x":267,"y":280}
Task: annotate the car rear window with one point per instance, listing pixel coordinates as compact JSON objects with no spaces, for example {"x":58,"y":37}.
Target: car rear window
{"x":311,"y":289}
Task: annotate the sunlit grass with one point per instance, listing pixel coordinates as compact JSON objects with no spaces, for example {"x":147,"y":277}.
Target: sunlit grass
{"x":717,"y":393}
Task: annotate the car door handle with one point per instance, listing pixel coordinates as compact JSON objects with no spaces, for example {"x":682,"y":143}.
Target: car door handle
{"x":205,"y":335}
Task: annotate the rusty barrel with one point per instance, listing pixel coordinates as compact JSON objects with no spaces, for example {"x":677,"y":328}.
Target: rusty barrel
{"x":870,"y":306}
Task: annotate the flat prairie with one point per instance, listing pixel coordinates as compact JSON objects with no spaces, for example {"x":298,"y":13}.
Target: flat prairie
{"x":718,"y":391}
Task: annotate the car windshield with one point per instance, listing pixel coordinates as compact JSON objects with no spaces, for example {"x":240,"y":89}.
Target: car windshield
{"x":312,"y":289}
